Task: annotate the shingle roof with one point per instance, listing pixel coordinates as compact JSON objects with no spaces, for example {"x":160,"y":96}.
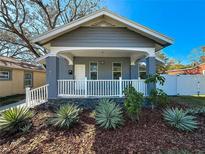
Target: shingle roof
{"x":7,"y":62}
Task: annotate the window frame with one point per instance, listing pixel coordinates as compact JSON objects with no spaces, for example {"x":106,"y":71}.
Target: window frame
{"x":25,"y":72}
{"x":92,"y":71}
{"x":116,"y":71}
{"x":139,"y":71}
{"x":9,"y":75}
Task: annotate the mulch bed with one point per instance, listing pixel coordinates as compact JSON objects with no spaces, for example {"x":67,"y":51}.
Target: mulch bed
{"x":150,"y":135}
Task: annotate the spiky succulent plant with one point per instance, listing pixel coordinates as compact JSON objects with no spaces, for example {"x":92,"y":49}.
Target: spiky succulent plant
{"x":179,"y":119}
{"x":108,"y":114}
{"x":65,"y":116}
{"x":15,"y":119}
{"x":194,"y":111}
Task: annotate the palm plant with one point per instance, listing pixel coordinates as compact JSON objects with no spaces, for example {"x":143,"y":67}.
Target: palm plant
{"x":108,"y":114}
{"x":66,"y":116}
{"x":179,"y":119}
{"x":15,"y":119}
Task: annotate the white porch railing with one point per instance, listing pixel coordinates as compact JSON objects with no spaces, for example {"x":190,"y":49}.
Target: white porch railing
{"x":36,"y":96}
{"x":98,"y":88}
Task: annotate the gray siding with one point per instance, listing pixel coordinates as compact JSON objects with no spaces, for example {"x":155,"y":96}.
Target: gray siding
{"x":64,"y":69}
{"x":102,"y":37}
{"x":105,"y":70}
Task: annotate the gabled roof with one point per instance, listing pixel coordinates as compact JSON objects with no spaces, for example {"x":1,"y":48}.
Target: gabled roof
{"x":52,"y":34}
{"x":7,"y":62}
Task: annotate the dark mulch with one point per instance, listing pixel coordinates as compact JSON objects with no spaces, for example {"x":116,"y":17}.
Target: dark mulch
{"x":150,"y":135}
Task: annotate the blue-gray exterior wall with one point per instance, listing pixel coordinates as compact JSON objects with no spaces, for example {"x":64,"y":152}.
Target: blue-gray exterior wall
{"x":64,"y":69}
{"x":105,"y":69}
{"x":102,"y":37}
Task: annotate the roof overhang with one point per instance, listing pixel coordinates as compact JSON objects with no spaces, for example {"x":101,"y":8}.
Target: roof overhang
{"x":52,"y":34}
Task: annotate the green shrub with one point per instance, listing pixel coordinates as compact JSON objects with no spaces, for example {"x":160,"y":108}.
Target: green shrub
{"x":158,"y":98}
{"x":65,"y":116}
{"x":179,"y":119}
{"x":155,"y":78}
{"x":108,"y":114}
{"x":13,"y":120}
{"x":133,"y":103}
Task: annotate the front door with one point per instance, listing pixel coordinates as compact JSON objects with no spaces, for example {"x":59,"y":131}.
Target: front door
{"x":79,"y":76}
{"x":79,"y":72}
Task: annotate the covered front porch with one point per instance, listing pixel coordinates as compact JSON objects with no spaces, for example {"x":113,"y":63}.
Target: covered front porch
{"x":97,"y":72}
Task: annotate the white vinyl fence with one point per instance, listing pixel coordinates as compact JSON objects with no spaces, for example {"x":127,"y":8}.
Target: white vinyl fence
{"x":97,"y":88}
{"x":184,"y":84}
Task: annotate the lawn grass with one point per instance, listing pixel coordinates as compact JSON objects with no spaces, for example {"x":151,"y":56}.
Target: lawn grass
{"x":192,"y":101}
{"x":11,"y":99}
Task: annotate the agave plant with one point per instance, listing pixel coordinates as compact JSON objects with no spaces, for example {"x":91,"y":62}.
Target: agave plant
{"x":15,"y":119}
{"x":108,"y":114}
{"x":194,"y":111}
{"x":180,"y":119}
{"x":66,"y":116}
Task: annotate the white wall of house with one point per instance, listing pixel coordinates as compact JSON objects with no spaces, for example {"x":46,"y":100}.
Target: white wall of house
{"x":184,"y":84}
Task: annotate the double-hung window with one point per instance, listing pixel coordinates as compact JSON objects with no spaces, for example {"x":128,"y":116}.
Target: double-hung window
{"x":116,"y":70}
{"x":28,"y":79}
{"x":93,"y":70}
{"x":4,"y":75}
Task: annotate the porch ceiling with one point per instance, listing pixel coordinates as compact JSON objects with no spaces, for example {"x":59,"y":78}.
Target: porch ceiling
{"x":103,"y":53}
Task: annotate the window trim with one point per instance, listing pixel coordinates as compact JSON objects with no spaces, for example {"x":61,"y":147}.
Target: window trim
{"x":116,"y":71}
{"x":9,"y":75}
{"x":27,"y":79}
{"x":92,"y":71}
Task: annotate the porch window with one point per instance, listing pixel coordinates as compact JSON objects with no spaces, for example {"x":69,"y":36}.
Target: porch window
{"x":116,"y":70}
{"x":142,"y":70}
{"x":93,"y":70}
{"x":4,"y":75}
{"x":28,"y":79}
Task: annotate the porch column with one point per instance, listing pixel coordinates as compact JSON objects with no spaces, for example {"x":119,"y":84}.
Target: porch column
{"x":52,"y":76}
{"x":150,"y":70}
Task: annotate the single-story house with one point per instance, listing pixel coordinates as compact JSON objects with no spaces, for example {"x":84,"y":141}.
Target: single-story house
{"x":16,"y":75}
{"x":98,"y":56}
{"x":197,"y":69}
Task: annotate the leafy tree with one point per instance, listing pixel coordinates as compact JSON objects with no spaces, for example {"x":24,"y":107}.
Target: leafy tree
{"x":20,"y":20}
{"x":196,"y":55}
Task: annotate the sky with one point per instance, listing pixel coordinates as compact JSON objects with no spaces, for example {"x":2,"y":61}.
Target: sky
{"x":182,"y":20}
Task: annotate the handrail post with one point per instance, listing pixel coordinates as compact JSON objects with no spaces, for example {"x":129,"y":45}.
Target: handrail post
{"x":27,"y":96}
{"x":120,"y":79}
{"x":86,"y":80}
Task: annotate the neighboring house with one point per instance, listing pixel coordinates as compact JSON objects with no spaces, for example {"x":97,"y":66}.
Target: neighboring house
{"x":99,"y":55}
{"x":16,"y":75}
{"x":198,"y":69}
